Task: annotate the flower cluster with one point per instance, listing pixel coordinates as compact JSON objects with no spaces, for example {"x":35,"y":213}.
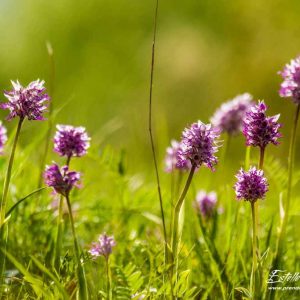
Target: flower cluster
{"x":171,"y":158}
{"x":198,"y":145}
{"x":206,"y":203}
{"x":103,"y":246}
{"x":251,"y":185}
{"x":26,"y":102}
{"x":61,"y":179}
{"x":3,"y":137}
{"x":229,"y":117}
{"x":259,"y":129}
{"x":71,"y":141}
{"x":290,"y":87}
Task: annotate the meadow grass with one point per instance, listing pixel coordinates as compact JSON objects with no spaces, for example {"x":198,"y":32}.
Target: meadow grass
{"x":165,"y":247}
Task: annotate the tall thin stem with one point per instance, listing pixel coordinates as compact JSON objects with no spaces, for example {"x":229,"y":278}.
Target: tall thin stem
{"x":108,"y":279}
{"x":261,"y":158}
{"x":254,"y":285}
{"x":284,"y":221}
{"x":60,"y":223}
{"x":254,"y":248}
{"x":50,"y":121}
{"x":3,"y":227}
{"x":80,"y":271}
{"x":175,"y":220}
{"x":226,"y":147}
{"x":291,"y":162}
{"x":151,"y":134}
{"x":8,"y":172}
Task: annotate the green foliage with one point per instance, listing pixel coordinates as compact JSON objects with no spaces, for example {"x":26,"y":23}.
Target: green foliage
{"x":98,"y":63}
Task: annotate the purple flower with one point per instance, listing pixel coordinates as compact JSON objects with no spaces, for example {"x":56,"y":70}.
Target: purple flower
{"x":71,"y":141}
{"x":198,"y":145}
{"x":290,"y":87}
{"x":206,"y":203}
{"x":26,"y":101}
{"x":3,"y":137}
{"x":62,"y":180}
{"x":229,"y":117}
{"x":172,"y":158}
{"x":259,"y":129}
{"x":103,"y":246}
{"x":251,"y":185}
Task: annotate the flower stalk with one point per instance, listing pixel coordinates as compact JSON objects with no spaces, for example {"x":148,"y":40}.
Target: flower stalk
{"x":255,"y":285}
{"x":60,"y":224}
{"x":50,"y":121}
{"x":83,"y":292}
{"x":253,"y":281}
{"x":108,"y":279}
{"x":8,"y":172}
{"x":175,"y":221}
{"x":291,"y":162}
{"x":3,"y":226}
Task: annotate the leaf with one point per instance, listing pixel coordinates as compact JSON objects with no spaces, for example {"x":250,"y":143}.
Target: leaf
{"x":36,"y":283}
{"x":46,"y":271}
{"x":182,"y":283}
{"x":152,"y":217}
{"x":129,"y":281}
{"x":23,"y":199}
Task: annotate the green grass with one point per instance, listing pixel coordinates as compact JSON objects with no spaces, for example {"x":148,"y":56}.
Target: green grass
{"x":213,"y":264}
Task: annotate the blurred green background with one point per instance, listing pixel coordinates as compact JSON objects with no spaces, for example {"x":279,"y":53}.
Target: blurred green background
{"x":207,"y":52}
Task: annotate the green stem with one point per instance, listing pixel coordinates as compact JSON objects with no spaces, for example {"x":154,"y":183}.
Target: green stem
{"x":108,"y":284}
{"x":83,"y":293}
{"x":4,"y":227}
{"x":50,"y":121}
{"x":261,"y":158}
{"x":60,"y":224}
{"x":291,"y":162}
{"x":284,"y":221}
{"x":58,"y":243}
{"x":175,"y":193}
{"x":226,"y":147}
{"x":176,"y":219}
{"x":151,"y":135}
{"x":8,"y":172}
{"x":255,"y":284}
{"x":166,"y":251}
{"x":254,"y":248}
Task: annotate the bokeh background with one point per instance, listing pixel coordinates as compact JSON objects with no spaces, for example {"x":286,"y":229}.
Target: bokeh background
{"x":207,"y":52}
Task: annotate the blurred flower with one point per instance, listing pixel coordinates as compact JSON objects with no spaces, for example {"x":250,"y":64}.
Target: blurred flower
{"x":103,"y":246}
{"x":71,"y":141}
{"x":198,"y":145}
{"x":206,"y":203}
{"x":172,"y":157}
{"x":26,"y":101}
{"x":3,"y":137}
{"x":62,"y":180}
{"x":251,"y":185}
{"x":259,"y":129}
{"x":229,"y":117}
{"x":290,"y":87}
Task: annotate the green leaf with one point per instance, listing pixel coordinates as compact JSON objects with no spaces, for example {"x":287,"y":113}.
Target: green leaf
{"x":46,"y":271}
{"x":37,"y":284}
